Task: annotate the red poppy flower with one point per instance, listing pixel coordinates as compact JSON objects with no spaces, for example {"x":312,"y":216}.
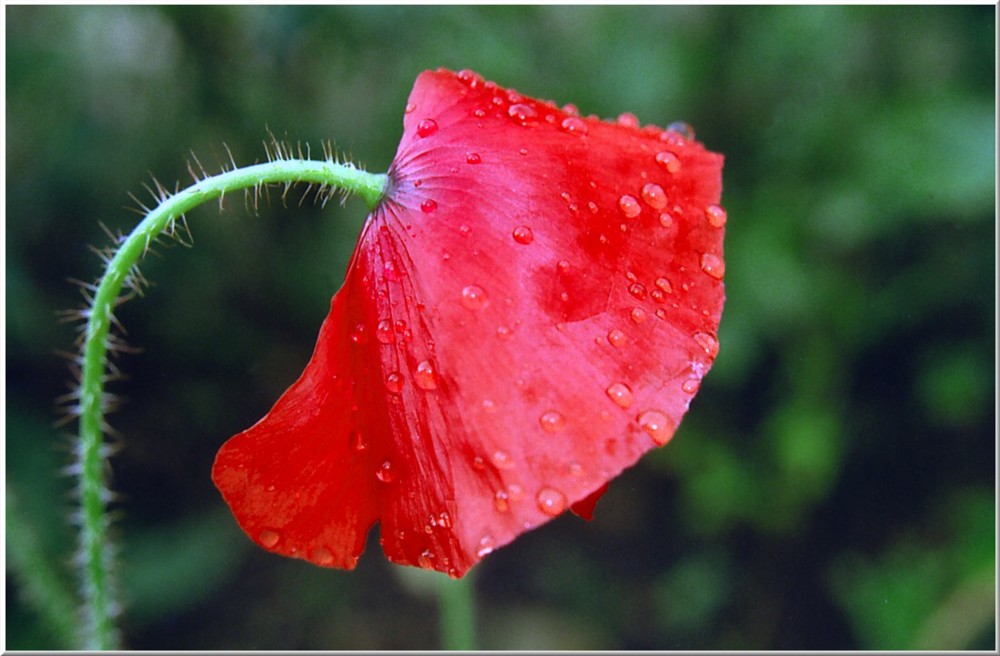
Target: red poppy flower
{"x":530,"y":309}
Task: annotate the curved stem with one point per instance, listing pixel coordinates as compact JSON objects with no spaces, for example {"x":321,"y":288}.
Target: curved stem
{"x":95,"y":555}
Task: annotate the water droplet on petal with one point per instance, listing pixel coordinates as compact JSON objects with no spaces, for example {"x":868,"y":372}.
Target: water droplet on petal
{"x":628,"y":119}
{"x":489,"y":405}
{"x":424,"y":377}
{"x":638,"y":315}
{"x":663,"y":285}
{"x":523,"y":235}
{"x":385,"y":472}
{"x":486,"y":546}
{"x":473,"y":158}
{"x":691,"y":385}
{"x":426,"y":127}
{"x":502,"y":460}
{"x":426,"y":559}
{"x":444,"y":519}
{"x":504,"y":332}
{"x":657,"y":425}
{"x":268,"y":538}
{"x":428,"y":206}
{"x":682,"y":128}
{"x":384,"y":332}
{"x":360,"y":334}
{"x":321,"y":556}
{"x":473,"y":297}
{"x":616,"y":338}
{"x":716,"y":216}
{"x":654,"y":196}
{"x":637,"y":290}
{"x":551,"y":502}
{"x":713,"y":266}
{"x":621,"y":394}
{"x":522,"y":114}
{"x":409,"y":108}
{"x":666,"y":220}
{"x":629,"y":206}
{"x":394,"y":382}
{"x":500,"y":501}
{"x":470,"y":78}
{"x":670,"y":162}
{"x":552,"y":421}
{"x":707,"y":342}
{"x":574,"y":125}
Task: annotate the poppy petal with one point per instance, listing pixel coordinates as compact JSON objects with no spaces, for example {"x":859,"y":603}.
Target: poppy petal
{"x":529,"y":310}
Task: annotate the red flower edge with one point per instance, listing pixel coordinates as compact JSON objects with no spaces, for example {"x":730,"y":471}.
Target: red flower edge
{"x":529,"y":310}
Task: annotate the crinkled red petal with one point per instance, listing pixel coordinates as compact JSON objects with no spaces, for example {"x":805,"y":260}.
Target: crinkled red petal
{"x":529,"y":311}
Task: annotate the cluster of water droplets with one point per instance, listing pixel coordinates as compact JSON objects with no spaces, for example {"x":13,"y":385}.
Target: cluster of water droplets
{"x":648,"y":197}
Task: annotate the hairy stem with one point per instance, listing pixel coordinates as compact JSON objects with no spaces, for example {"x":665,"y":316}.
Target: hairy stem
{"x":100,"y":605}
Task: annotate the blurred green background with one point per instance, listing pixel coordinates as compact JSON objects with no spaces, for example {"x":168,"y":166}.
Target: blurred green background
{"x":833,"y":486}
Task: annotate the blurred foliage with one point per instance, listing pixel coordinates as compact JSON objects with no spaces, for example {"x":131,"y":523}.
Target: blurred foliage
{"x":834,"y":484}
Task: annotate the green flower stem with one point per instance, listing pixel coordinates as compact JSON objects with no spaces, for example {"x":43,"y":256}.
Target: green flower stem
{"x":95,"y":555}
{"x":456,"y":599}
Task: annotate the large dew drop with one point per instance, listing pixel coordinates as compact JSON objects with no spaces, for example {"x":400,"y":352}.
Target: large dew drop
{"x":716,"y":216}
{"x":713,"y":266}
{"x":426,"y":127}
{"x":424,"y":377}
{"x":473,"y":297}
{"x":550,"y":501}
{"x":384,"y":332}
{"x":621,"y":394}
{"x":629,"y":206}
{"x":670,"y":162}
{"x":321,"y":556}
{"x":523,"y":235}
{"x":657,"y":425}
{"x":654,"y":196}
{"x":268,"y":538}
{"x":708,"y":342}
{"x":552,"y":421}
{"x":574,"y":125}
{"x":617,"y":338}
{"x":522,"y":114}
